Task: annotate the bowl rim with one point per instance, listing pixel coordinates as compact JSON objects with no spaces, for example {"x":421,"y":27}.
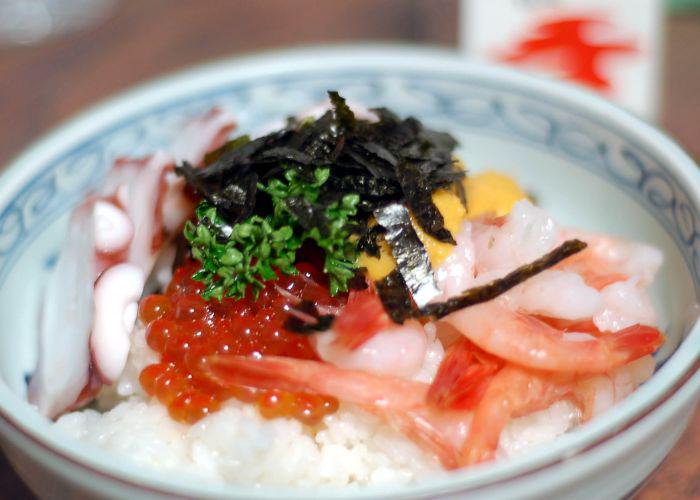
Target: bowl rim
{"x":147,"y":97}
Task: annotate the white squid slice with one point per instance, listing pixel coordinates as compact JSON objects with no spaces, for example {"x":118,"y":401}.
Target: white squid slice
{"x":139,"y":206}
{"x":116,"y":296}
{"x":113,"y":228}
{"x":176,"y":207}
{"x":201,"y":135}
{"x":64,"y":357}
{"x":144,"y":194}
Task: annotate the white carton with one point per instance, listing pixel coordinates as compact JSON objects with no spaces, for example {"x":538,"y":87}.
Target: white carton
{"x":611,"y":46}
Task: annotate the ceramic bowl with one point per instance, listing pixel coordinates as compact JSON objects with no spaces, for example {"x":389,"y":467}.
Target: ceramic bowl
{"x":586,"y":161}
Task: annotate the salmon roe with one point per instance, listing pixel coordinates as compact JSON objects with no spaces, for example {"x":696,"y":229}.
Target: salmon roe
{"x":184,"y":328}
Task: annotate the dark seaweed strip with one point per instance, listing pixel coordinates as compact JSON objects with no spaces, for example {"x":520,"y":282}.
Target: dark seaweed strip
{"x":357,"y":157}
{"x":419,"y":198}
{"x":305,"y":318}
{"x":462,"y":193}
{"x":492,"y":290}
{"x":442,"y":140}
{"x":384,"y":161}
{"x":394,"y":294}
{"x":287,"y":155}
{"x":366,"y":186}
{"x":235,"y":199}
{"x":368,"y":241}
{"x":410,"y":254}
{"x":359,"y":281}
{"x":344,"y":117}
{"x":380,"y":152}
{"x":235,"y":143}
{"x":308,"y":215}
{"x":397,"y":301}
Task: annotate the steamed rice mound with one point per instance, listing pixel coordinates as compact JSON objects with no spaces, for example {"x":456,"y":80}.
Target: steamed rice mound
{"x":237,"y":445}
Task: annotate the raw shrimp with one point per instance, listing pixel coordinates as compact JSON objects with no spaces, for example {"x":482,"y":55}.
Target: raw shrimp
{"x":362,"y":317}
{"x":455,"y":436}
{"x":364,"y":338}
{"x":565,"y":295}
{"x":456,"y":273}
{"x":557,"y":294}
{"x":513,"y":392}
{"x":516,"y":392}
{"x":290,"y":374}
{"x":625,"y":303}
{"x":595,"y":395}
{"x":527,"y":233}
{"x":608,"y":260}
{"x":529,"y":341}
{"x":401,"y":403}
{"x":397,"y":350}
{"x":464,"y":374}
{"x":439,"y":433}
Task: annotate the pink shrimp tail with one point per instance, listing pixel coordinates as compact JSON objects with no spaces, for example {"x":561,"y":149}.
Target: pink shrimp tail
{"x":399,"y":402}
{"x":596,"y":272}
{"x":634,"y":341}
{"x":513,"y":392}
{"x":482,"y":447}
{"x":463,"y":376}
{"x":361,"y":319}
{"x":296,"y":375}
{"x":418,"y":427}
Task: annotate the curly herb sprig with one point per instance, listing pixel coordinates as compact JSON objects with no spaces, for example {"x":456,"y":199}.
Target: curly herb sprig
{"x":245,"y":255}
{"x":322,"y":179}
{"x":234,"y":258}
{"x":329,"y":225}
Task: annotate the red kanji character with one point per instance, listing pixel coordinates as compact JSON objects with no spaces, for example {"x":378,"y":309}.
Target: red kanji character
{"x":562,"y":45}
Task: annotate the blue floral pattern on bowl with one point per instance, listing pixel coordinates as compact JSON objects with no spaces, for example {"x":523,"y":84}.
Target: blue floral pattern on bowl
{"x":456,"y":101}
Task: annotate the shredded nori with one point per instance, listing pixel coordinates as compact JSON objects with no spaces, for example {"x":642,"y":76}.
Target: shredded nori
{"x":388,"y":162}
{"x":384,"y":161}
{"x":399,"y":305}
{"x":497,"y":287}
{"x":393,"y":292}
{"x":415,"y":182}
{"x":344,"y":117}
{"x":359,"y":281}
{"x":369,"y":240}
{"x":411,"y":256}
{"x":305,"y":318}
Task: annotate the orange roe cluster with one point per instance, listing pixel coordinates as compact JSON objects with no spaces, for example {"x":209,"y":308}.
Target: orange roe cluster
{"x":184,"y":329}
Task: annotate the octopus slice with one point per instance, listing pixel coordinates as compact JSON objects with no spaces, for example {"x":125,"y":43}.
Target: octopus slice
{"x":114,"y":240}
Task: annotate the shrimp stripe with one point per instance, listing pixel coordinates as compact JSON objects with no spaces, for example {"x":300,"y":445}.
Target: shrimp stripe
{"x":288,"y":374}
{"x":490,"y":291}
{"x":527,"y":341}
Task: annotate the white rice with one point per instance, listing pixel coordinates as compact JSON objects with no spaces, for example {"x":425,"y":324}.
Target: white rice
{"x":236,"y":445}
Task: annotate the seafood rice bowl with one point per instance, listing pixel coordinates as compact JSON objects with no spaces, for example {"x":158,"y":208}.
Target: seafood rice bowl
{"x":335,"y":301}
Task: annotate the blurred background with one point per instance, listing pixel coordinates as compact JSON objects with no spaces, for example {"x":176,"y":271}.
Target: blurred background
{"x":59,"y":56}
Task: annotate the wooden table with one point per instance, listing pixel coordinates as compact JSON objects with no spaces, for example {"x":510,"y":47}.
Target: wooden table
{"x":42,"y":85}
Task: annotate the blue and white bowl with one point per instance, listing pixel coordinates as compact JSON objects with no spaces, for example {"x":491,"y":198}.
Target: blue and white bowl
{"x":587,"y":162}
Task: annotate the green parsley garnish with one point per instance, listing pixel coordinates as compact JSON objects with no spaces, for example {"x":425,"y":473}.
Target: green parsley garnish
{"x":318,"y":180}
{"x":247,"y":254}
